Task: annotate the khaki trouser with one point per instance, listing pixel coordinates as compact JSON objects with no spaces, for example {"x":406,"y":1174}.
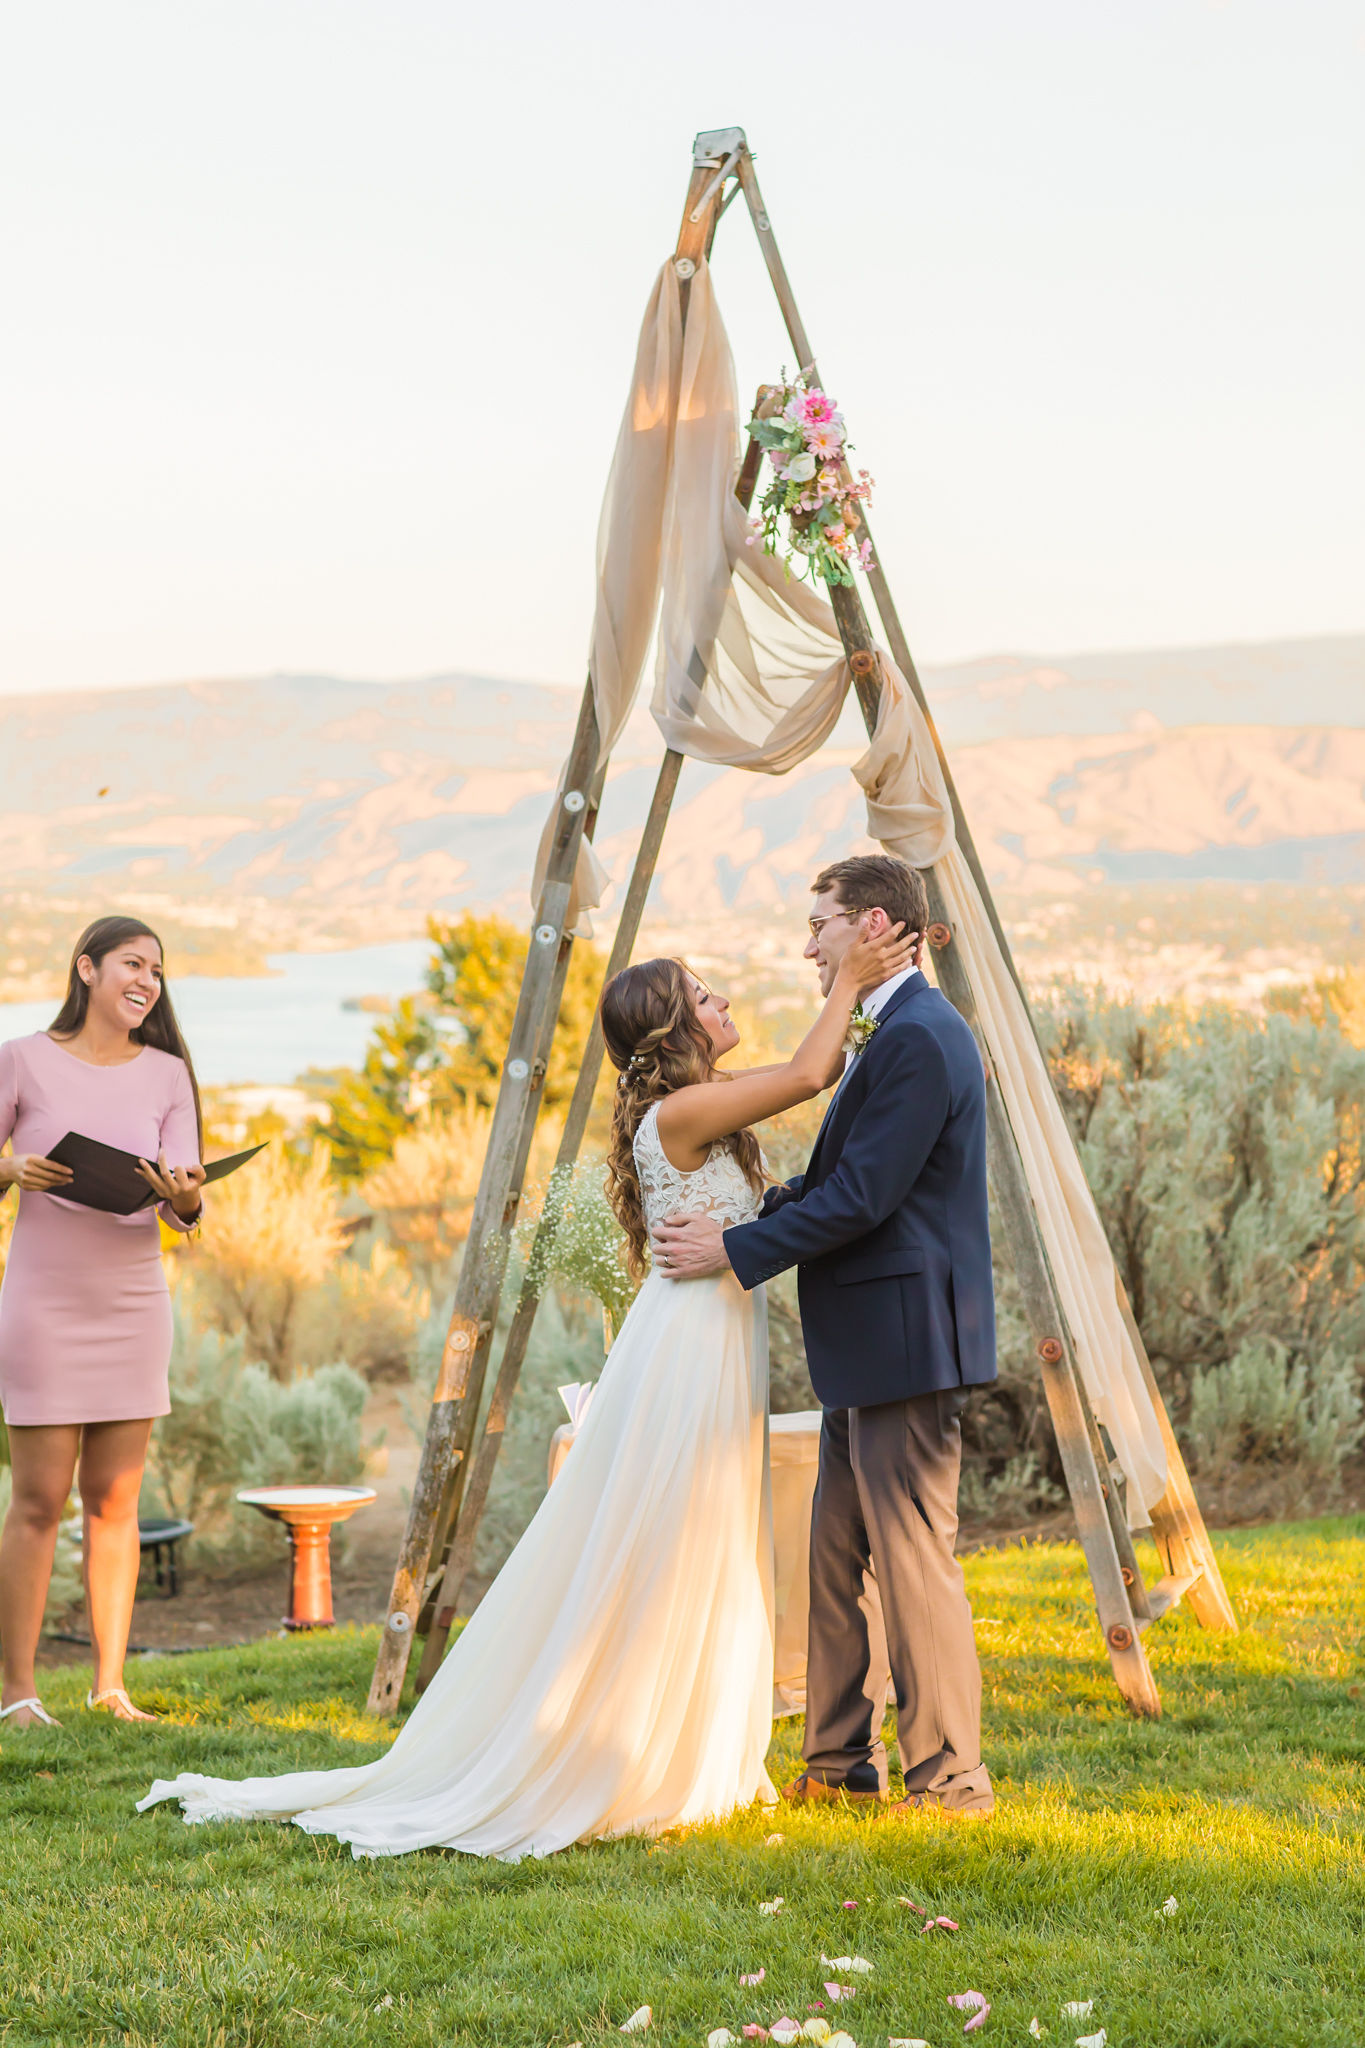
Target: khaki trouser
{"x":887,"y":1603}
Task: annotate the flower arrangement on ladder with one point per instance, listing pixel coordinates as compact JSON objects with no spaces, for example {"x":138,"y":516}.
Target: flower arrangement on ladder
{"x":811,"y":487}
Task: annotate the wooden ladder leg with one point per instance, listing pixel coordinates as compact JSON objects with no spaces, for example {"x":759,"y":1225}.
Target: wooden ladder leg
{"x":1117,"y":1509}
{"x":1119,"y":1597}
{"x":461,"y":1549}
{"x":464,"y":1357}
{"x":471,"y":1400}
{"x":1087,"y":1474}
{"x":1177,"y":1524}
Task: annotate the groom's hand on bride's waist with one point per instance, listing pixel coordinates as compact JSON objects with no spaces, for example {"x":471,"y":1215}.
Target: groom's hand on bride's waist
{"x":689,"y":1247}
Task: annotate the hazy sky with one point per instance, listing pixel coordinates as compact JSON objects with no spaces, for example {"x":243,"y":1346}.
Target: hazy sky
{"x":318,"y":314}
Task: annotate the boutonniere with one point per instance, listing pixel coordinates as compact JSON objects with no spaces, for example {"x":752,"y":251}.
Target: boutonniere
{"x":860,"y":1029}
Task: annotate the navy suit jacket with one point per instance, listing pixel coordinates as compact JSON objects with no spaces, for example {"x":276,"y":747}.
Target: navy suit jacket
{"x":888,"y":1225}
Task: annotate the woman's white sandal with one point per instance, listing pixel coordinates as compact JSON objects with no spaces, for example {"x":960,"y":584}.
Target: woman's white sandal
{"x":35,"y":1707}
{"x":95,"y":1700}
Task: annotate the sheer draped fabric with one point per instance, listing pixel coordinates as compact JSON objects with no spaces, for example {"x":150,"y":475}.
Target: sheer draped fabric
{"x":750,"y":673}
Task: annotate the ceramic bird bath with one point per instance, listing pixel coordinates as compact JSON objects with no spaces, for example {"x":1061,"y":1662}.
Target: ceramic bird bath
{"x":308,"y":1513}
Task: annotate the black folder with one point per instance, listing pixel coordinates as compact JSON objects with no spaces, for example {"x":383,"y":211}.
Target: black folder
{"x":105,"y":1178}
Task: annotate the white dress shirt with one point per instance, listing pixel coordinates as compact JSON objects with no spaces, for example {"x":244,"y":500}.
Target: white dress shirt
{"x":873,"y":1005}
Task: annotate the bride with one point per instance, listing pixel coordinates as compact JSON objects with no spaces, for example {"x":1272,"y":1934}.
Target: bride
{"x":617,"y":1676}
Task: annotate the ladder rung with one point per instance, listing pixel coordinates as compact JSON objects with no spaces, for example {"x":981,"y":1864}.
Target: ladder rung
{"x":1168,"y":1593}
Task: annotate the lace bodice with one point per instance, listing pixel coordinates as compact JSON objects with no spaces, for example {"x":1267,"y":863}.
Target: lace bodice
{"x":716,"y":1189}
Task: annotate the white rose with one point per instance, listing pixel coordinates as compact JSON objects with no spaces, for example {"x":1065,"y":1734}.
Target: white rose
{"x":801,"y":468}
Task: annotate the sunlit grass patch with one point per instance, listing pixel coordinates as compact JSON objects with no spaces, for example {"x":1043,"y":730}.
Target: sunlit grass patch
{"x":1245,"y":1802}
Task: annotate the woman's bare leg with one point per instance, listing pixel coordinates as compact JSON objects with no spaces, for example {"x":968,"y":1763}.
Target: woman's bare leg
{"x":112,"y":1457}
{"x":43,"y":1461}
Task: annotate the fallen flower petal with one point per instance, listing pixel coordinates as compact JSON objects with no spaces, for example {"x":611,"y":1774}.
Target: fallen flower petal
{"x":773,"y":1841}
{"x":754,"y":2032}
{"x":850,"y":1905}
{"x":817,"y":2030}
{"x":1034,"y":2028}
{"x":721,"y":2037}
{"x":754,"y":1977}
{"x":1078,"y":2009}
{"x":1169,"y":1906}
{"x":973,"y":2002}
{"x":858,"y":1963}
{"x":385,"y":2002}
{"x":841,"y":2040}
{"x":639,"y":2021}
{"x":838,"y":1991}
{"x":921,"y":1910}
{"x":904,"y":2041}
{"x":771,"y":1906}
{"x":785,"y":2030}
{"x":951,"y":1925}
{"x":1092,"y":2040}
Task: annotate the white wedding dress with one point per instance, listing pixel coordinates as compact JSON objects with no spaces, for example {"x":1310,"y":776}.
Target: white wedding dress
{"x":617,"y":1676}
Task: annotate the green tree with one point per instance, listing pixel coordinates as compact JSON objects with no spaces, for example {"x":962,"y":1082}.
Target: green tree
{"x":444,"y":1049}
{"x":369,"y":1110}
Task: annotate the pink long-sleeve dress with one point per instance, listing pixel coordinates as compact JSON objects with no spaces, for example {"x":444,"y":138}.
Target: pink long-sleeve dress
{"x":85,"y":1313}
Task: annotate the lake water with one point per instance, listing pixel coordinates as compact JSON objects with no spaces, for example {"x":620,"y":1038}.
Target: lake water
{"x":272,"y":1029}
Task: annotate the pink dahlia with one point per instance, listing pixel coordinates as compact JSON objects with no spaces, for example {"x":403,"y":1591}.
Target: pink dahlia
{"x":826,"y":443}
{"x":814,"y":408}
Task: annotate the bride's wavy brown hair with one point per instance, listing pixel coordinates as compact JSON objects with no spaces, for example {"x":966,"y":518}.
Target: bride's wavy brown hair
{"x":658,"y":1044}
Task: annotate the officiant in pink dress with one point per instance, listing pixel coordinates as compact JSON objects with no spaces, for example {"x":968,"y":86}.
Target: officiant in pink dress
{"x":85,"y":1312}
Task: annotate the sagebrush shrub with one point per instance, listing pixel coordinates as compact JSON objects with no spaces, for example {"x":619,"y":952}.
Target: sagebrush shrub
{"x":367,"y":1313}
{"x":233,"y":1424}
{"x":272,"y":1235}
{"x":1227,"y":1159}
{"x":1264,"y":1404}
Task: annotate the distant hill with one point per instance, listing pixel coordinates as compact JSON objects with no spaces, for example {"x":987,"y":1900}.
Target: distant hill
{"x":1285,"y":682}
{"x":1240,"y":763}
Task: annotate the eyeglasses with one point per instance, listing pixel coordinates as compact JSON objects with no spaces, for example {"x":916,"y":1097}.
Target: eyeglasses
{"x":817,"y":924}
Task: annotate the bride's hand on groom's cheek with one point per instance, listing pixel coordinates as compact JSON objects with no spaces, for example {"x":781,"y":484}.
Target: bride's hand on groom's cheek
{"x":875,"y":956}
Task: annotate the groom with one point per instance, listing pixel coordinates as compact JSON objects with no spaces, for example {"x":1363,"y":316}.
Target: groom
{"x":888,"y":1230}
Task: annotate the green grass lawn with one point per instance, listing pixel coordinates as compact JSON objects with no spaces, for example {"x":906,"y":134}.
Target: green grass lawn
{"x":1246,"y":1803}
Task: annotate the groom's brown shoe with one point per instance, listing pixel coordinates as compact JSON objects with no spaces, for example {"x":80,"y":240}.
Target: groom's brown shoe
{"x":974,"y":1806}
{"x":806,"y":1788}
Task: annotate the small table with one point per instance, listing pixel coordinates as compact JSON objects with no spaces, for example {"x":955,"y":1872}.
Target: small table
{"x":160,"y":1535}
{"x":308,"y":1513}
